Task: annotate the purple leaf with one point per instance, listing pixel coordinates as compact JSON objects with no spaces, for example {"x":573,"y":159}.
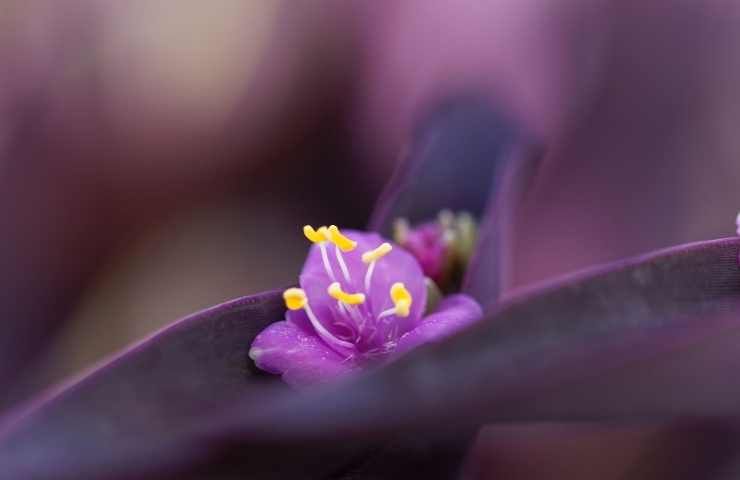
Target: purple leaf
{"x":126,"y":418}
{"x":558,"y":352}
{"x":653,"y":337}
{"x":468,"y":157}
{"x":142,"y":414}
{"x":490,"y":271}
{"x":459,"y":159}
{"x":686,"y":449}
{"x":455,"y":157}
{"x":621,"y":175}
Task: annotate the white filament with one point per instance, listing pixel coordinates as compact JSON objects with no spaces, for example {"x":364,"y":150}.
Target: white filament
{"x":369,"y":276}
{"x":387,"y":313}
{"x":323,"y":332}
{"x":342,"y":265}
{"x":327,"y":265}
{"x":353,"y":313}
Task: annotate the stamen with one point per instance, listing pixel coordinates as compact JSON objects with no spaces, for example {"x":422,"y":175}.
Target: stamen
{"x":336,"y":237}
{"x":323,"y":332}
{"x":449,"y":237}
{"x":342,"y":308}
{"x":467,"y":232}
{"x":353,"y":313}
{"x":403,"y":308}
{"x":392,"y":333}
{"x":295,"y":299}
{"x":377,"y":254}
{"x":342,"y":265}
{"x":342,"y":243}
{"x":402,"y":301}
{"x":369,"y":276}
{"x":401,"y":298}
{"x":325,"y":259}
{"x":315,"y":236}
{"x":320,"y":237}
{"x":371,"y":257}
{"x":446,"y":218}
{"x":335,"y":290}
{"x":401,"y":229}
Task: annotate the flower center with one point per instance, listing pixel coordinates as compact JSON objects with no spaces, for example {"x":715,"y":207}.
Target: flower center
{"x":350,"y":325}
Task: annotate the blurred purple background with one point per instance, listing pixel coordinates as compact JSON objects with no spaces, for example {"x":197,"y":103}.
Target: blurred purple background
{"x":159,"y":156}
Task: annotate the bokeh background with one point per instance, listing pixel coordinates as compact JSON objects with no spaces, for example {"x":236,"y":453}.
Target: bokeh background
{"x":159,"y":156}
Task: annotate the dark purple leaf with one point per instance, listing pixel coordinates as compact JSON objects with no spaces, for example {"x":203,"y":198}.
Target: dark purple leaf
{"x":141,"y":414}
{"x":687,"y":449}
{"x":653,"y":337}
{"x":622,"y":174}
{"x":127,"y":416}
{"x":465,"y":156}
{"x":411,"y":456}
{"x":648,"y":338}
{"x":490,"y":270}
{"x":453,"y":161}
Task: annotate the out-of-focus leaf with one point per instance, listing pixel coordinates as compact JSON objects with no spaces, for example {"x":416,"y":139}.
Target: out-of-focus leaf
{"x":144,"y":413}
{"x":469,"y":157}
{"x":452,"y":162}
{"x":622,"y":174}
{"x":411,"y":457}
{"x":464,"y":156}
{"x":653,"y":337}
{"x":686,"y":449}
{"x":490,"y":270}
{"x":141,"y":413}
{"x":125,"y":418}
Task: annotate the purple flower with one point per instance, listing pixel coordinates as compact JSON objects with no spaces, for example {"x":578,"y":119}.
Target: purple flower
{"x":443,"y":247}
{"x":361,"y":300}
{"x":427,"y":243}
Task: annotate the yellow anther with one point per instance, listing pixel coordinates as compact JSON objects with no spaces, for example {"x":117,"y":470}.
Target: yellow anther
{"x":401,"y":299}
{"x":399,"y":292}
{"x":377,"y":254}
{"x":335,"y":290}
{"x":315,"y":236}
{"x":325,"y":232}
{"x":295,"y":298}
{"x":345,"y":244}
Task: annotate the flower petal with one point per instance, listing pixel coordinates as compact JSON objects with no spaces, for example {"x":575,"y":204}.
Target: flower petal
{"x":453,"y":313}
{"x":302,"y":358}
